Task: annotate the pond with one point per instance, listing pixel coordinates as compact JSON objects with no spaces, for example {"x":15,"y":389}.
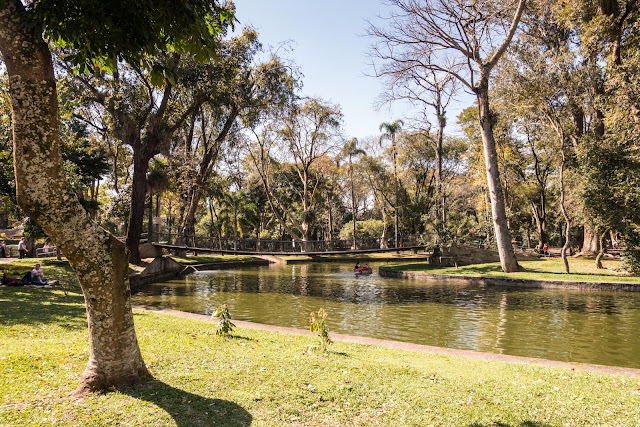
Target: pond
{"x":579,"y":326}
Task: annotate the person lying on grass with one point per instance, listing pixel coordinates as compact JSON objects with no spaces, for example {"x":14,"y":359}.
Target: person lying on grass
{"x":10,"y":281}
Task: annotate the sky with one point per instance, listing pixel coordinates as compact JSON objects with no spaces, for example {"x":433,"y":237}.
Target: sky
{"x":330,"y":46}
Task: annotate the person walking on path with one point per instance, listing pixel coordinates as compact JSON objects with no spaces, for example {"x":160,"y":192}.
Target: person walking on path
{"x":3,"y":249}
{"x":22,"y":248}
{"x":185,"y":232}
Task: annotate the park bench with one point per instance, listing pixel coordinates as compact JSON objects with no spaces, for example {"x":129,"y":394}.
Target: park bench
{"x":40,"y":253}
{"x":444,"y":261}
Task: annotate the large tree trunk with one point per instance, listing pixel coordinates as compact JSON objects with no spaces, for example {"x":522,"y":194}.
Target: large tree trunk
{"x":440,"y":202}
{"x":136,"y":213}
{"x":98,"y":258}
{"x":499,"y":216}
{"x":591,"y":240}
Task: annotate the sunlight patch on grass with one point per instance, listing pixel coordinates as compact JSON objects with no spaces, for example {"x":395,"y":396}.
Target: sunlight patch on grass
{"x":582,"y":269}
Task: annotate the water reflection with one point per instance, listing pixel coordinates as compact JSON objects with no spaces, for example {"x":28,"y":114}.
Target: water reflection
{"x":591,"y":327}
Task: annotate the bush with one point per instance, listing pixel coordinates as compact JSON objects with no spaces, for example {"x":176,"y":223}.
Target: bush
{"x":631,"y":258}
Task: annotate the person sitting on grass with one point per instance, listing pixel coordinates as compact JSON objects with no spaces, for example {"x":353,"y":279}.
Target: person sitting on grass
{"x":37,"y":276}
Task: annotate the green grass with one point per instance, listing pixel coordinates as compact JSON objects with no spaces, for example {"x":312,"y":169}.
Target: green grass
{"x":53,"y":269}
{"x":264,"y":378}
{"x":202,"y":259}
{"x":582,"y":269}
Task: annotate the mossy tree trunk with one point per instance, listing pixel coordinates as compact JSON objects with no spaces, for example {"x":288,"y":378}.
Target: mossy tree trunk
{"x":98,"y":258}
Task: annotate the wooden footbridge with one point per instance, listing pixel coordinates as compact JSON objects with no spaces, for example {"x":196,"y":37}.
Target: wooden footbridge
{"x":178,"y":248}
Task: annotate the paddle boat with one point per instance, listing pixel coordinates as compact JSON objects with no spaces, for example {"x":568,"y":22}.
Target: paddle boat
{"x":363,"y":270}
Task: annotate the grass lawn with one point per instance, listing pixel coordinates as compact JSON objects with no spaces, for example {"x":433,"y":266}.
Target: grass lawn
{"x":266,"y":378}
{"x":53,"y":269}
{"x":582,"y":269}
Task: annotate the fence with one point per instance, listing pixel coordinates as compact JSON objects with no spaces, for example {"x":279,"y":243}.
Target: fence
{"x":292,"y":246}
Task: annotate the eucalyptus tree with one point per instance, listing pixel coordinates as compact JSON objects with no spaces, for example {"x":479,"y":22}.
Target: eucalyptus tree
{"x":465,"y":40}
{"x":94,"y":32}
{"x":293,"y":143}
{"x":543,"y":84}
{"x":391,"y":131}
{"x":430,"y":92}
{"x":351,"y":150}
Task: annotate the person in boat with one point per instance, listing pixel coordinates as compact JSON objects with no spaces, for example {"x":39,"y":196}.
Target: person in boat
{"x":357,"y":266}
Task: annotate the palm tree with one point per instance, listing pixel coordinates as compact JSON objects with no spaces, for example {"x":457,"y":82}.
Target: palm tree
{"x":390,"y":132}
{"x":350,"y":150}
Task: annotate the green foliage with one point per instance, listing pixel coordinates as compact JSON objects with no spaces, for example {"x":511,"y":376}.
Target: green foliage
{"x":116,"y":213}
{"x":317,"y":323}
{"x":225,"y":326}
{"x":107,"y":31}
{"x":32,"y":229}
{"x":368,"y":229}
{"x":611,"y":191}
{"x":631,"y":261}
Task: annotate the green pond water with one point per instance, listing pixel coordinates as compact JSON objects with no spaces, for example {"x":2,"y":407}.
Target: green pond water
{"x":580,"y":326}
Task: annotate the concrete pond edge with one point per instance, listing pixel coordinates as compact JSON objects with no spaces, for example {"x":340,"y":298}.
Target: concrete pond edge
{"x":165,"y":268}
{"x":512,"y":282}
{"x":399,"y":345}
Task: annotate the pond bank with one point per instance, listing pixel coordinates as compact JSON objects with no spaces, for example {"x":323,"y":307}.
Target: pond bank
{"x":166,"y":268}
{"x":387,"y":271}
{"x":405,"y":346}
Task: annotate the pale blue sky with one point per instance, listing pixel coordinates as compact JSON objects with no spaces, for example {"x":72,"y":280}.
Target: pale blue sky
{"x":330,"y":49}
{"x":330,"y":46}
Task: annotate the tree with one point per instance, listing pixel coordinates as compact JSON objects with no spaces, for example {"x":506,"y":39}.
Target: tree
{"x":431,"y":92}
{"x":465,"y":40}
{"x":301,"y":136}
{"x":98,"y":258}
{"x":249,"y":90}
{"x":351,"y":150}
{"x":390,"y":132}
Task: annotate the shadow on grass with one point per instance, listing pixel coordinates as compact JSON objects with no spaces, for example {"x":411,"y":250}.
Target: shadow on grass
{"x":521,"y":424}
{"x":188,"y":409}
{"x":29,"y":306}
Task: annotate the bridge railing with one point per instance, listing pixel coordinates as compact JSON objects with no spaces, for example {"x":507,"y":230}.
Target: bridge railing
{"x":262,"y":245}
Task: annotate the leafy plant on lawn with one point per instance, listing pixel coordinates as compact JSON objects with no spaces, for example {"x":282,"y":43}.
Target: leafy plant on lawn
{"x":318,"y":324}
{"x":225,"y":326}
